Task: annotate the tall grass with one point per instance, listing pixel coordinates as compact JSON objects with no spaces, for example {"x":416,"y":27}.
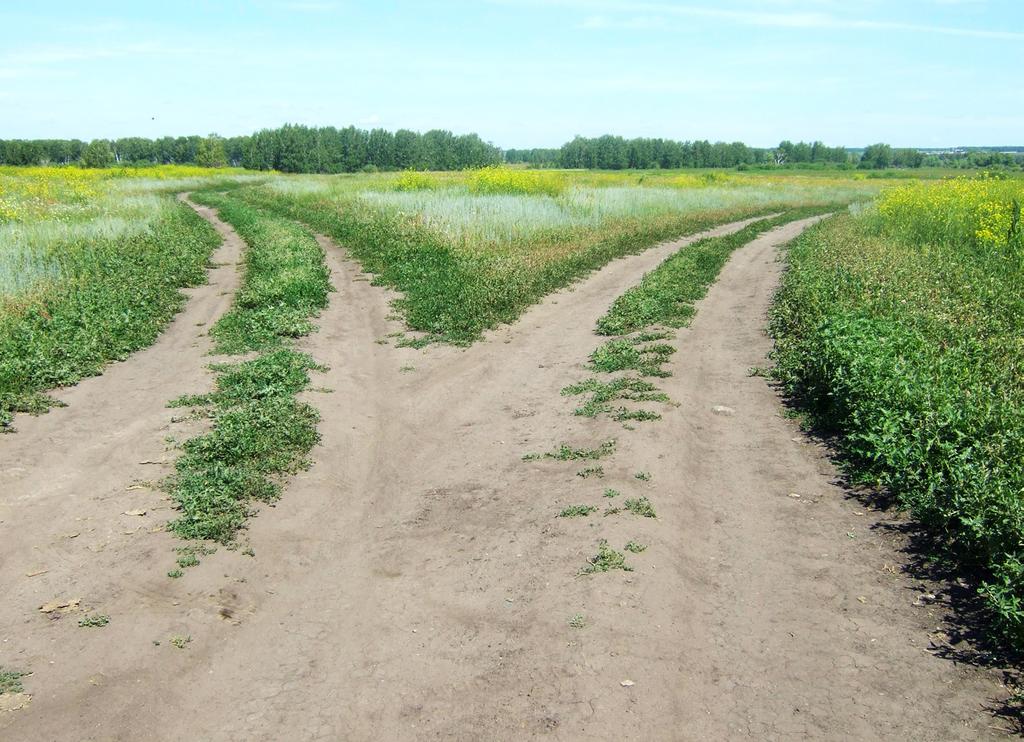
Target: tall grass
{"x":90,"y":270}
{"x":259,"y":431}
{"x":900,"y":329}
{"x":286,"y":281}
{"x":112,"y":296}
{"x":467,"y":261}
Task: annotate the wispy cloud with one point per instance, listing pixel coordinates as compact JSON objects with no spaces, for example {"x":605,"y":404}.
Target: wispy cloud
{"x":600,"y":10}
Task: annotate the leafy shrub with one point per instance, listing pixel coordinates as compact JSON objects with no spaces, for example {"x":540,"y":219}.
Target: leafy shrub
{"x":897,"y":332}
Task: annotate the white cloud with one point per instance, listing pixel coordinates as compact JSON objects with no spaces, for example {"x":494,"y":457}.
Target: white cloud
{"x":602,"y":9}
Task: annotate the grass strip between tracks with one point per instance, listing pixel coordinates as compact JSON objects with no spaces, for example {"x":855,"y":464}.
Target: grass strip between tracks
{"x":260,"y":432}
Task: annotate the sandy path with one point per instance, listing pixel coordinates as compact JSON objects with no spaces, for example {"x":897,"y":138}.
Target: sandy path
{"x":414,"y":584}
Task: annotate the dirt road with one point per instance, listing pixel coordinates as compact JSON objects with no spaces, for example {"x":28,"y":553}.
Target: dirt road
{"x":415,"y":582}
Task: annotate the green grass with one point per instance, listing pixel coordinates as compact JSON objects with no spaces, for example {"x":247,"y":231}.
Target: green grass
{"x":286,"y":282}
{"x":115,"y":296}
{"x":259,"y":433}
{"x":591,"y":471}
{"x":632,"y":354}
{"x":577,"y":511}
{"x":569,"y":453}
{"x":602,"y":393}
{"x":667,"y":294}
{"x":910,"y":346}
{"x":577,"y":621}
{"x":10,"y":681}
{"x":606,"y":560}
{"x":466,"y":262}
{"x":634,"y":547}
{"x":94,"y":621}
{"x":640,"y":506}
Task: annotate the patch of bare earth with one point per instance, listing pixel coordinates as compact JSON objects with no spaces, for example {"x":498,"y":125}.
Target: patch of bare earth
{"x":415,"y":582}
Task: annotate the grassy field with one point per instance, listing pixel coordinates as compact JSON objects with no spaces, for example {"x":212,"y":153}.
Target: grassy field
{"x":899,"y":328}
{"x":91,"y":260}
{"x":471,"y":250}
{"x":91,"y":263}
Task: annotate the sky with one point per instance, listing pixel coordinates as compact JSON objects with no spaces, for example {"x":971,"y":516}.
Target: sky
{"x":521,"y":73}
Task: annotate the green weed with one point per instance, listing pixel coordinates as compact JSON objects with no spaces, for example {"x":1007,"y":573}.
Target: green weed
{"x":259,"y":434}
{"x":96,"y":620}
{"x":285,"y":283}
{"x":627,"y":354}
{"x":114,"y":297}
{"x":605,"y":560}
{"x":10,"y":681}
{"x":602,"y":393}
{"x":905,"y":339}
{"x":591,"y":471}
{"x":640,"y":506}
{"x":577,"y":511}
{"x":666,"y":295}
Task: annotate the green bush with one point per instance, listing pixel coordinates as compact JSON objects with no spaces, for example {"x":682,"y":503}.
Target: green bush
{"x":914,"y":354}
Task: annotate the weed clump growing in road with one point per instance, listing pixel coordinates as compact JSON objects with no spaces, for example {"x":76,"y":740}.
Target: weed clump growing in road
{"x":10,"y":681}
{"x":577,"y":511}
{"x":640,"y":506}
{"x":667,"y":294}
{"x":259,"y":433}
{"x":605,"y":560}
{"x":286,"y":282}
{"x":96,"y":620}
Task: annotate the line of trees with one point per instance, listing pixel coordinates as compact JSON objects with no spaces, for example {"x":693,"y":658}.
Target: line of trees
{"x":303,"y":149}
{"x":290,"y":149}
{"x":212,"y":151}
{"x":616,"y":153}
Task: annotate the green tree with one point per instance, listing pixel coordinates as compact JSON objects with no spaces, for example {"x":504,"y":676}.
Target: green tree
{"x":210,"y":152}
{"x":876,"y":157}
{"x":98,"y":154}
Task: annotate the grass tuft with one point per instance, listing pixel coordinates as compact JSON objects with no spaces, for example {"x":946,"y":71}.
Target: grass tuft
{"x":605,"y":560}
{"x":10,"y":681}
{"x":577,"y":511}
{"x":640,"y":506}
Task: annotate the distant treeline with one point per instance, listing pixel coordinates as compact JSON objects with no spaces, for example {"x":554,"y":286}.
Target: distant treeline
{"x":304,"y":149}
{"x":290,"y":149}
{"x":616,"y":153}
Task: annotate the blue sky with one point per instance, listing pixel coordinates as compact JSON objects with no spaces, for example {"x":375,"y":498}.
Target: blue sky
{"x":521,"y":73}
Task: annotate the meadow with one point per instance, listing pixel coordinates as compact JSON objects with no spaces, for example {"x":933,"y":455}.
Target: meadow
{"x":898,"y":328}
{"x":91,"y":267}
{"x":470,"y":250}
